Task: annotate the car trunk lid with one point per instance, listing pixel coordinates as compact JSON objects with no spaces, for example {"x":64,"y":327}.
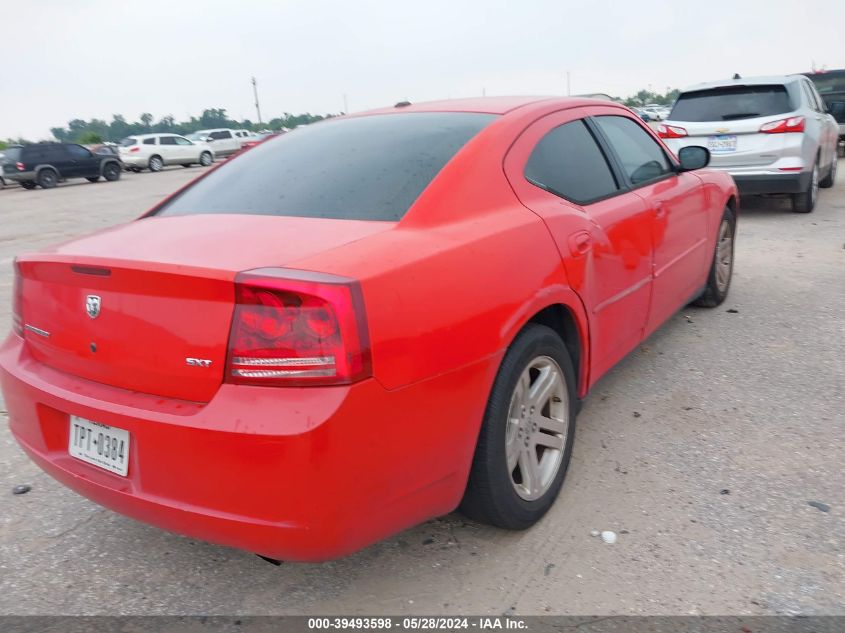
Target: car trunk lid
{"x":147,"y":306}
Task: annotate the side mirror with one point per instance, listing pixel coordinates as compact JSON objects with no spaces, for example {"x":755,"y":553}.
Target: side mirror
{"x":693,"y":157}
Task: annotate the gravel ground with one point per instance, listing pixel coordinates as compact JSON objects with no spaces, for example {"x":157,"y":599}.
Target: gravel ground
{"x":702,"y":451}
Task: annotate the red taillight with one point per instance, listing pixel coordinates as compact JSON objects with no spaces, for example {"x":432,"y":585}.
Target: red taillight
{"x":19,"y":165}
{"x":297,"y":328}
{"x":782,"y":126}
{"x":134,"y":149}
{"x":670,"y":131}
{"x":17,"y":301}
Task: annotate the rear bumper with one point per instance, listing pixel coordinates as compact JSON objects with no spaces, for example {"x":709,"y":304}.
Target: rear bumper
{"x":298,"y":474}
{"x":20,"y":176}
{"x":134,"y":161}
{"x":756,"y":184}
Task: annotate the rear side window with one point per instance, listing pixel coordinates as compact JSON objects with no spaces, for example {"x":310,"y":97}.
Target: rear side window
{"x":150,"y":141}
{"x":362,"y":168}
{"x":641,"y":157}
{"x":220,"y":135}
{"x":731,"y":103}
{"x":567,"y":162}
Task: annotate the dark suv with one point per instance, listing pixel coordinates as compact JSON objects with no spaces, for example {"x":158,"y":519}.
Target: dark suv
{"x":46,"y":164}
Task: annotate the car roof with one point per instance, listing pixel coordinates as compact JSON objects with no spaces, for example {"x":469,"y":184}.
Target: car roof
{"x":765,"y":80}
{"x":487,"y":105}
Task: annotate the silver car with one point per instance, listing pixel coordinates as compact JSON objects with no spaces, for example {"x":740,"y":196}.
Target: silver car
{"x":772,"y":134}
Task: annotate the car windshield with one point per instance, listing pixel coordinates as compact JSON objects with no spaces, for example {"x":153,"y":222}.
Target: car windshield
{"x":128,"y":142}
{"x":731,"y":103}
{"x":363,"y":168}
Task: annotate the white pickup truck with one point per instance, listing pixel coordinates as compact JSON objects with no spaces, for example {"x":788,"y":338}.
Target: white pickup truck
{"x":224,"y":141}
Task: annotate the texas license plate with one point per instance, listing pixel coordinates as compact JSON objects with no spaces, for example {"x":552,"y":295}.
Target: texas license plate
{"x":100,"y":445}
{"x":722,"y":143}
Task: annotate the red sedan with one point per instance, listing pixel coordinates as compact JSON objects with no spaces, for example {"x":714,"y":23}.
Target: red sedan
{"x":363,"y":324}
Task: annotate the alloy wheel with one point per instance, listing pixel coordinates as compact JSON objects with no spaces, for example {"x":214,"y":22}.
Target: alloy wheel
{"x":538,"y":423}
{"x":724,"y":255}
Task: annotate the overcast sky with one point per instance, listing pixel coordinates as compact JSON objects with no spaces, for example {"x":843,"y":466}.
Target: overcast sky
{"x":92,"y":58}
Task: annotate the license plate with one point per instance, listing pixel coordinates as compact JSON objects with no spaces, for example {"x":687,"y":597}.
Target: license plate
{"x":722,"y":143}
{"x":100,"y":445}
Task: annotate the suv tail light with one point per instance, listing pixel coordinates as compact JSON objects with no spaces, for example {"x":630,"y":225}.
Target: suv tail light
{"x":782,"y":126}
{"x":19,"y":165}
{"x":135,"y":149}
{"x":297,"y":328}
{"x":670,"y":131}
{"x":17,"y":301}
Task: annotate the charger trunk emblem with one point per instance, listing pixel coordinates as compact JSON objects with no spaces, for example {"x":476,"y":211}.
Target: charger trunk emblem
{"x":92,"y":306}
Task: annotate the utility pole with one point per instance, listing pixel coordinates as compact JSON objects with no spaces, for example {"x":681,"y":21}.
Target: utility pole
{"x":257,"y":107}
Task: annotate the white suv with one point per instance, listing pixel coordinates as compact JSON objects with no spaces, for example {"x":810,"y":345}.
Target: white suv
{"x":225,"y":141}
{"x":772,"y":134}
{"x":154,"y":151}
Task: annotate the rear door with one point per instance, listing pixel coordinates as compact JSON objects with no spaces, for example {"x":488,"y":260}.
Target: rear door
{"x":677,"y":204}
{"x":59,"y":157}
{"x":601,"y":228}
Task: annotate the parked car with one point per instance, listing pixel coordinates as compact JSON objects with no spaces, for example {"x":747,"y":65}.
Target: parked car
{"x":255,"y":139}
{"x":363,"y":324}
{"x":155,"y":151}
{"x":47,"y":164}
{"x":105,"y":148}
{"x":830,"y":85}
{"x":772,"y":134}
{"x":225,"y":141}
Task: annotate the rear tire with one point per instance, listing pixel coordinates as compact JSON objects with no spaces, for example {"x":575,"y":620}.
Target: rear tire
{"x":156,"y":164}
{"x":830,"y":179}
{"x":526,"y":437}
{"x":721,"y":269}
{"x":111,"y":172}
{"x":805,"y":201}
{"x":47,"y":178}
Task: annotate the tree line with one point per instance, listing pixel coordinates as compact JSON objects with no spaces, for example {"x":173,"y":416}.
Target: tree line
{"x":99,"y":130}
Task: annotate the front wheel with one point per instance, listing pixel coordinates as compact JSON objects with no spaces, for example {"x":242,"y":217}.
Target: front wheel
{"x":805,"y":201}
{"x":111,"y":172}
{"x":526,"y":437}
{"x":206,"y":159}
{"x":721,"y":269}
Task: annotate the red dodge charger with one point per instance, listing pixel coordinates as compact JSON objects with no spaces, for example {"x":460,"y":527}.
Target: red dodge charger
{"x":363,"y":324}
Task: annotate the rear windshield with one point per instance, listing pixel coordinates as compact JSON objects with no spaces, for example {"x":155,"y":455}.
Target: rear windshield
{"x":362,"y":168}
{"x":128,"y":142}
{"x":731,"y":103}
